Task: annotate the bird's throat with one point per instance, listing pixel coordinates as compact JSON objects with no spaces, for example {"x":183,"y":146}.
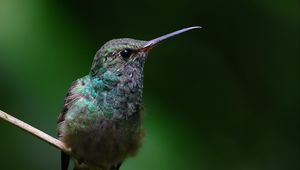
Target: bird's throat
{"x":120,"y":95}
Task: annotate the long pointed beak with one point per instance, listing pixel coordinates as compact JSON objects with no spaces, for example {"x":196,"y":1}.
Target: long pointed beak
{"x":150,"y":44}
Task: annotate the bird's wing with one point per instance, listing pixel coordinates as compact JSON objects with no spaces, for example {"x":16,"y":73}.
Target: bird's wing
{"x":69,"y":100}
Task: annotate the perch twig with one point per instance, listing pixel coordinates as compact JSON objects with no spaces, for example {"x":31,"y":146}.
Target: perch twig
{"x":35,"y":132}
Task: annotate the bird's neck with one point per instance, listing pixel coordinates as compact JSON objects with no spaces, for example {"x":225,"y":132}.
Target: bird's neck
{"x":119,"y":94}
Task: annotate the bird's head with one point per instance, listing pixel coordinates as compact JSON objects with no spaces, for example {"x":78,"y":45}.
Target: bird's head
{"x":118,"y":54}
{"x":121,"y":56}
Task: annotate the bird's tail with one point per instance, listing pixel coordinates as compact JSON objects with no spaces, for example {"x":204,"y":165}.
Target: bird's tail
{"x":65,"y":159}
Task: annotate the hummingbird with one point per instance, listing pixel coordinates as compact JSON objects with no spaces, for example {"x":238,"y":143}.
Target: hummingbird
{"x":101,"y":121}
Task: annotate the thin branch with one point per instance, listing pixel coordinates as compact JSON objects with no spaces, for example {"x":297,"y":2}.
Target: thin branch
{"x":35,"y":132}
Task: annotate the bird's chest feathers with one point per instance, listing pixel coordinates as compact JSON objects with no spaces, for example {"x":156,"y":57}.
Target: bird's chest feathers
{"x":101,"y":141}
{"x":104,"y":117}
{"x":118,"y":95}
{"x":110,"y":95}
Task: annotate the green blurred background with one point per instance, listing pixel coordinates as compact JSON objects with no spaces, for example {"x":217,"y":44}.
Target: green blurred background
{"x":223,"y":97}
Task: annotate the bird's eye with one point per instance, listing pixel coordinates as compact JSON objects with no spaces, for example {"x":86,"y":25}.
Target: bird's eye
{"x":126,"y":53}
